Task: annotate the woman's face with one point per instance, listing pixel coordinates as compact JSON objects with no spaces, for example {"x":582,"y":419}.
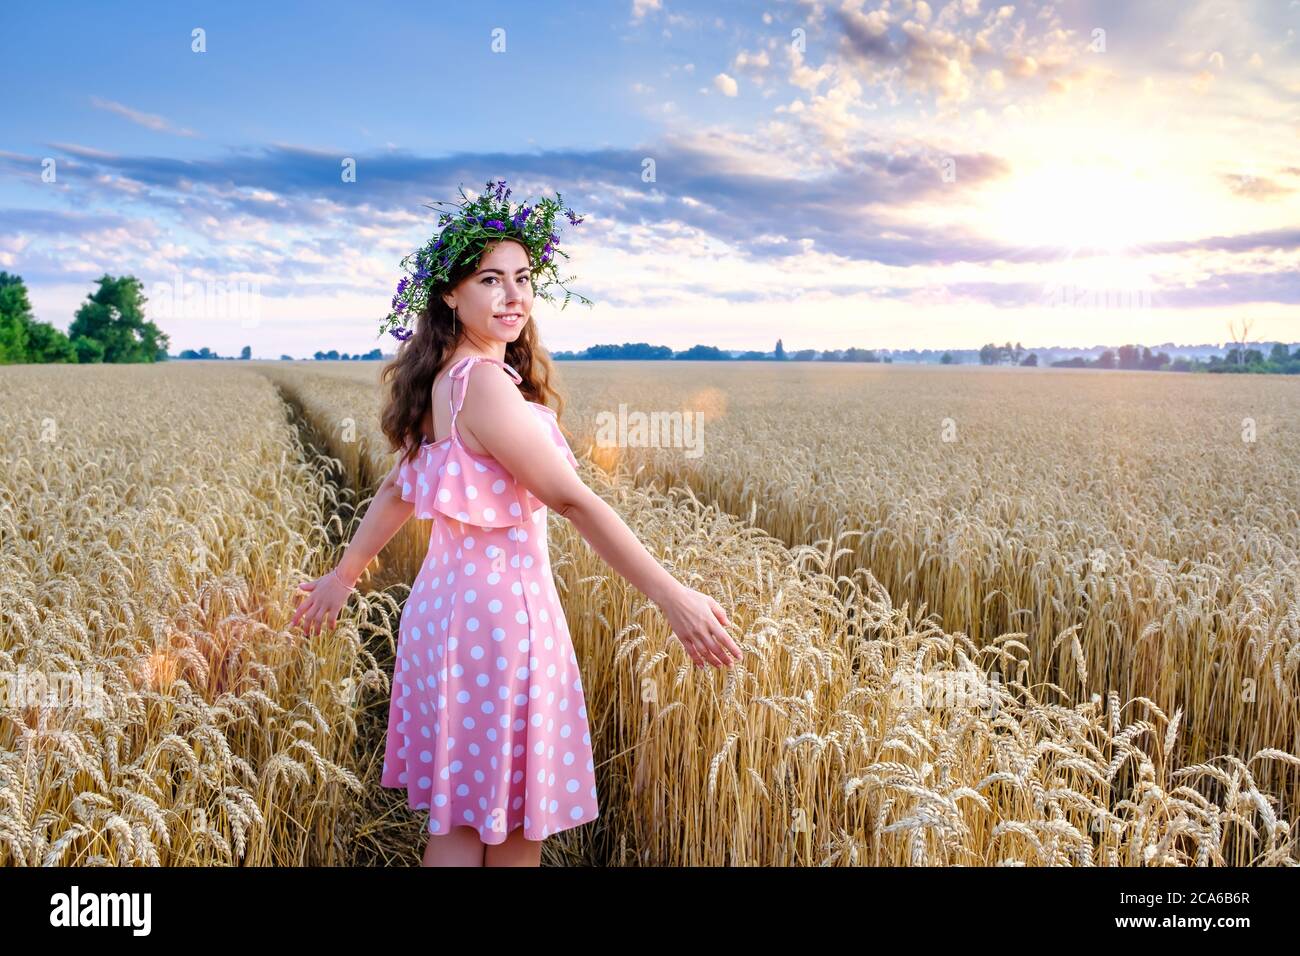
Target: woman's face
{"x":495,"y":302}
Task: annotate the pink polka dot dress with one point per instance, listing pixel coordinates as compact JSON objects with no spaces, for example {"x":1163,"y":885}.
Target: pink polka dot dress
{"x":487,"y":726}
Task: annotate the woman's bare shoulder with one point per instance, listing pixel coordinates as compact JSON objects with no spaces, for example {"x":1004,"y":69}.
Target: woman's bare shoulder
{"x":490,"y":396}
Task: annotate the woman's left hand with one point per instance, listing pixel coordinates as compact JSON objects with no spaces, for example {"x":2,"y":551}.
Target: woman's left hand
{"x":326,"y":597}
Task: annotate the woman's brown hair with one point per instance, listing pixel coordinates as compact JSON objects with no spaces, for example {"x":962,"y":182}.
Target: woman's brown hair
{"x":409,"y":377}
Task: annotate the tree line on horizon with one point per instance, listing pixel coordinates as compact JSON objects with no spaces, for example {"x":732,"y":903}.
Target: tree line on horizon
{"x":246,"y":354}
{"x":110,"y":326}
{"x":644,"y":351}
{"x":1238,"y":359}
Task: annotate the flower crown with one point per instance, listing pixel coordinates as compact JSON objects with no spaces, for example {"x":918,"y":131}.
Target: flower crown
{"x":463,"y":236}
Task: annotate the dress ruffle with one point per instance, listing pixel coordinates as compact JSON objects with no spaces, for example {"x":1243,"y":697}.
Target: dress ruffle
{"x":447,"y":478}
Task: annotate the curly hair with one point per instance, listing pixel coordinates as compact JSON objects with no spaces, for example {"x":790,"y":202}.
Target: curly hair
{"x":408,"y":378}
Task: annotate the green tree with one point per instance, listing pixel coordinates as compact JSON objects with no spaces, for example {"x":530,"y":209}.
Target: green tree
{"x":15,"y":317}
{"x":22,"y":338}
{"x":45,"y":343}
{"x":88,"y":350}
{"x":1239,"y":356}
{"x":110,"y":326}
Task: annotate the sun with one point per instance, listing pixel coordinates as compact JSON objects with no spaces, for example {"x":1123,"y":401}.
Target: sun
{"x":1077,"y":207}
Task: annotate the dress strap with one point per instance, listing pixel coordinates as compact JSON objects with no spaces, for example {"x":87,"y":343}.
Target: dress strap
{"x":460,"y":376}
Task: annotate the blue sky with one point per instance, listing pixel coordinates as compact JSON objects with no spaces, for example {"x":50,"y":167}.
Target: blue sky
{"x":879,"y":173}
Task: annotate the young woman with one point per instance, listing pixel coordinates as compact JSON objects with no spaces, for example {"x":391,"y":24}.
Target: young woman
{"x":488,"y":721}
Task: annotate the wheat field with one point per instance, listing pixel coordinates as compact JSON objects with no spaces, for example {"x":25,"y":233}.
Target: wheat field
{"x":153,"y":523}
{"x":767,"y":466}
{"x":1146,"y":522}
{"x":988,"y":619}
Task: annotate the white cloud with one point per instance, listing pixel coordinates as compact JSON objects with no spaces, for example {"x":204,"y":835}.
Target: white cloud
{"x":641,"y":7}
{"x":148,"y":120}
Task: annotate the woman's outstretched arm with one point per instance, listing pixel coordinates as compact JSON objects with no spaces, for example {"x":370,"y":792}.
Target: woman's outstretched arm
{"x":696,"y":618}
{"x":385,"y":516}
{"x":328,"y":593}
{"x":498,"y":417}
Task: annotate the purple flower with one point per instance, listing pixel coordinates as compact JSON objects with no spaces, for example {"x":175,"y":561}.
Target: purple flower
{"x":422,"y":274}
{"x":401,"y":334}
{"x":401,"y":286}
{"x":496,"y":224}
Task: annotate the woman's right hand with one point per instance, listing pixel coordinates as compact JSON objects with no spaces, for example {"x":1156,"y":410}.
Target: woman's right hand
{"x":320,"y":608}
{"x":697,"y":621}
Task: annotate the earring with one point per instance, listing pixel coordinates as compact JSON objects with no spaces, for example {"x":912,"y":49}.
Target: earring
{"x":454,"y":316}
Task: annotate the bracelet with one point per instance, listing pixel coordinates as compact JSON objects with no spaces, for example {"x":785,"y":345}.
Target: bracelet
{"x":335,"y":572}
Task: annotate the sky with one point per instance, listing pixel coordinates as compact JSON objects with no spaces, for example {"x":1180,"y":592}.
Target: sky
{"x":870,"y":173}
